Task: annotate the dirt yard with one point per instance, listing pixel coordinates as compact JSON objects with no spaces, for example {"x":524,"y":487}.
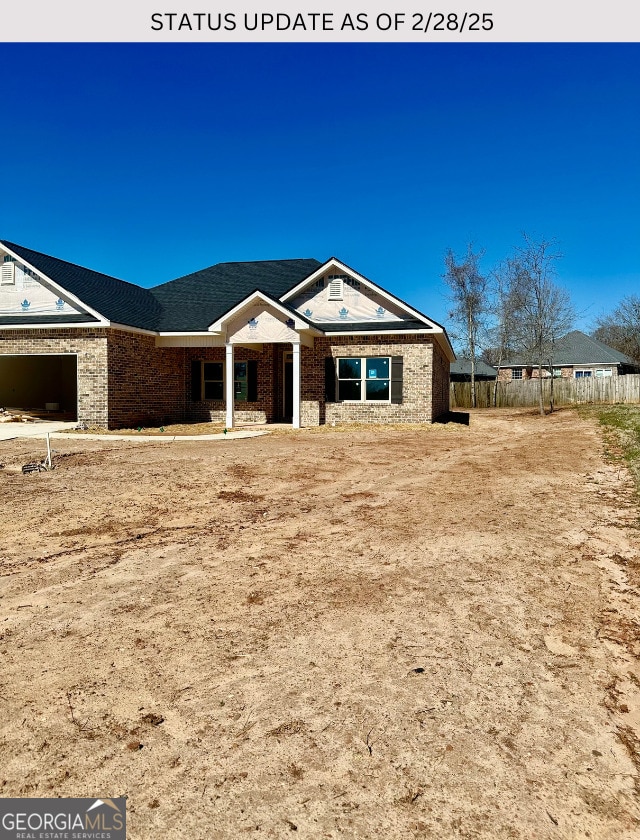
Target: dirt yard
{"x":363,"y":634}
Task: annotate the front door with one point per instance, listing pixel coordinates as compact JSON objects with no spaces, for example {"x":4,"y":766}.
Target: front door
{"x":287,"y":403}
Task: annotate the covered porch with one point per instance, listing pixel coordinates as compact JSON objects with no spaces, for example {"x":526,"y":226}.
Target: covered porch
{"x":247,"y":368}
{"x":258,"y":321}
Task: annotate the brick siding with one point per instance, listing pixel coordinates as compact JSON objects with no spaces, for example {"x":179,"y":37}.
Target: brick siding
{"x":440,"y":383}
{"x":125,"y":380}
{"x":261,"y":411}
{"x":90,"y":347}
{"x":420,"y":377}
{"x":146,"y":384}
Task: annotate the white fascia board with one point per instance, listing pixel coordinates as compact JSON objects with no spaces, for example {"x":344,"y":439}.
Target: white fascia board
{"x":103,"y":321}
{"x":59,"y":325}
{"x":334,"y":263}
{"x":219,"y":325}
{"x":380,"y":332}
{"x":127,"y":328}
{"x":185,"y":333}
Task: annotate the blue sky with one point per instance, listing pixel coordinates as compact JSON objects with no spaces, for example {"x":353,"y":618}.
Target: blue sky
{"x":151,"y":161}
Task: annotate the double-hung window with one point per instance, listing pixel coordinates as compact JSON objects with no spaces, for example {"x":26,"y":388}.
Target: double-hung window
{"x":207,"y":381}
{"x":364,"y":379}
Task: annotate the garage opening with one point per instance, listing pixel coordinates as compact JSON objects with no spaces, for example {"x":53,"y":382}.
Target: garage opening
{"x":43,"y":386}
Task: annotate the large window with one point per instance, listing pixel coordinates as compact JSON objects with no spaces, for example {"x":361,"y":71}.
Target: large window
{"x":207,"y":381}
{"x":365,"y":379}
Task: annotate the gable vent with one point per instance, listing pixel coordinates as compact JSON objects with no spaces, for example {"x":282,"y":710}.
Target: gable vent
{"x":335,"y":287}
{"x":8,"y":276}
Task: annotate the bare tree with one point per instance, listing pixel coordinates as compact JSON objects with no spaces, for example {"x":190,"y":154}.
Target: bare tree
{"x":509,"y":289}
{"x":621,"y":329}
{"x":544,"y":312}
{"x":469,"y":299}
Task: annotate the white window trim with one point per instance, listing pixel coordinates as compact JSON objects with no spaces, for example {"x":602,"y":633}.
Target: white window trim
{"x":363,"y":381}
{"x":587,"y":373}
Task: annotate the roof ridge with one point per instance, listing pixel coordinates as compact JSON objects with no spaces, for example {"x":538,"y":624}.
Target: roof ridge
{"x":258,"y":262}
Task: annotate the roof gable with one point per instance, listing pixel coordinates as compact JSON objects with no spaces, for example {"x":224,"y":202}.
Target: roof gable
{"x":101,"y":295}
{"x":198,"y":300}
{"x":25,"y":295}
{"x":395,"y":309}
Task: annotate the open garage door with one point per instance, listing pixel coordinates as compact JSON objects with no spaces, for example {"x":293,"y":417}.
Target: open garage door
{"x":42,"y":385}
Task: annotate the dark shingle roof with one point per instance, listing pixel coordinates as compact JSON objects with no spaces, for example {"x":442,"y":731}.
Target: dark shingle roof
{"x":117,"y":300}
{"x":370,"y":326}
{"x":190,"y":303}
{"x":10,"y":320}
{"x":577,"y":348}
{"x":197,"y":300}
{"x":462,"y":367}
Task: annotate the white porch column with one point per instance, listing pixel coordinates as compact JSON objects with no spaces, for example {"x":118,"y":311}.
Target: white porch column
{"x":229,"y":376}
{"x":296,"y":386}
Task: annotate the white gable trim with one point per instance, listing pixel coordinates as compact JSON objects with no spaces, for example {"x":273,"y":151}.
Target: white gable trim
{"x":258,"y":297}
{"x":339,"y":266}
{"x":103,"y":322}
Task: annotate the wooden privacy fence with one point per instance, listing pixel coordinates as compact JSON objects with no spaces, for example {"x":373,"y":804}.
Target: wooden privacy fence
{"x":524,"y":392}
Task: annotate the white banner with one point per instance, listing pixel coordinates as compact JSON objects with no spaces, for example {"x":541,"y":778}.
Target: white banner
{"x":416,"y":21}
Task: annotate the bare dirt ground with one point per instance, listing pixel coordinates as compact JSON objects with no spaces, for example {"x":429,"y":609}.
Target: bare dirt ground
{"x":374,"y":633}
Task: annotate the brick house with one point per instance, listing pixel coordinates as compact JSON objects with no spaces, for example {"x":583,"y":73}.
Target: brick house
{"x":575,"y":356}
{"x":282,"y":340}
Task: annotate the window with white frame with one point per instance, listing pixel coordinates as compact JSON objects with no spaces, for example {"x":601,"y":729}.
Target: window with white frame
{"x":603,"y":372}
{"x":516,"y":373}
{"x":557,"y":373}
{"x":582,"y":374}
{"x":364,"y":379}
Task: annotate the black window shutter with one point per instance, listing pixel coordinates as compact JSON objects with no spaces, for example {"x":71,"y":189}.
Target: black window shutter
{"x":252,"y":380}
{"x":196,"y":380}
{"x":329,"y":379}
{"x":396,"y":379}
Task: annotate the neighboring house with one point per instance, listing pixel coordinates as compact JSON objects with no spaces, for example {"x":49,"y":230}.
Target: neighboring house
{"x":281,"y":340}
{"x":460,"y":371}
{"x":576,"y":355}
